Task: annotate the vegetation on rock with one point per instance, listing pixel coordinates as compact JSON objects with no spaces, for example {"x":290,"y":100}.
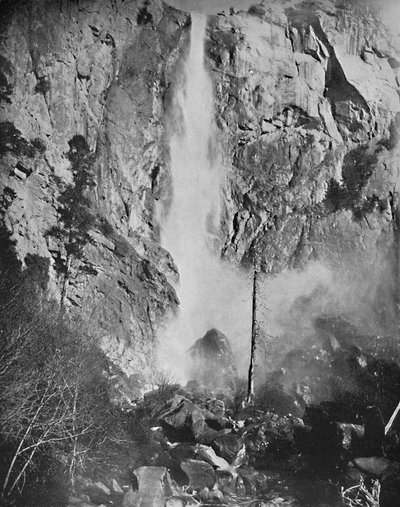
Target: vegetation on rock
{"x":12,"y":141}
{"x":75,"y":215}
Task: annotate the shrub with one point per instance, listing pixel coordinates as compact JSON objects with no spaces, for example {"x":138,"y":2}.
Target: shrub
{"x":38,"y":144}
{"x":6,"y":88}
{"x":76,"y":218}
{"x":42,"y":86}
{"x":6,"y":199}
{"x":12,"y":141}
{"x":144,"y":16}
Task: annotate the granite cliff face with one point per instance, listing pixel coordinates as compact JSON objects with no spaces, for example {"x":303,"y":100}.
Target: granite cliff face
{"x":100,"y":70}
{"x":307,"y":106}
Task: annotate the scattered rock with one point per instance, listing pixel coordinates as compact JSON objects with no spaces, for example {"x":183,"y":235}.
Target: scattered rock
{"x":351,"y":437}
{"x":216,"y":407}
{"x":372,"y":465}
{"x":175,"y":502}
{"x":374,"y":431}
{"x":231,"y":485}
{"x":254,"y":482}
{"x":154,"y":484}
{"x":201,"y":474}
{"x":74,"y":500}
{"x":229,"y":446}
{"x":98,"y":492}
{"x":183,"y":421}
{"x":271,"y":439}
{"x":116,"y":488}
{"x":183,"y":451}
{"x":208,"y":454}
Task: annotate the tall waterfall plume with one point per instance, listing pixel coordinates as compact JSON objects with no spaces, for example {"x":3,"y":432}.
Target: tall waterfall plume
{"x":212,"y":294}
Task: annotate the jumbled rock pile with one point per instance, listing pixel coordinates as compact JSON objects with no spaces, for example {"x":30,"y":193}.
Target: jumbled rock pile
{"x":206,"y":456}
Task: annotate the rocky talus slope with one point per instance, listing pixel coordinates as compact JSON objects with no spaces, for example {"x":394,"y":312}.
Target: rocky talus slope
{"x":307,"y":106}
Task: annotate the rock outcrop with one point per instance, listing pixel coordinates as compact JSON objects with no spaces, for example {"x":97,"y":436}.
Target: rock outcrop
{"x":308,"y":108}
{"x":103,"y":71}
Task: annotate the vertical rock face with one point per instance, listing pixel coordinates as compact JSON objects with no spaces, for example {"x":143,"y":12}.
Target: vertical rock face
{"x":308,"y":110}
{"x":100,"y":70}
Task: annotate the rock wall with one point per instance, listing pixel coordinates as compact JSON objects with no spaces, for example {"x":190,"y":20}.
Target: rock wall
{"x":308,"y":108}
{"x":307,"y":103}
{"x":102,"y":70}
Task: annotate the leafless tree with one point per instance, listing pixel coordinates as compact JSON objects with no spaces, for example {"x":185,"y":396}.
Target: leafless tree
{"x":52,"y":398}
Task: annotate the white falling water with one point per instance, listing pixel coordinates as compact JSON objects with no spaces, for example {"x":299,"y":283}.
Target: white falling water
{"x":211,"y":293}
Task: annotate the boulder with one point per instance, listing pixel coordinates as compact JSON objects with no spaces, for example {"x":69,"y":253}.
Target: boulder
{"x":216,"y":407}
{"x":201,"y":474}
{"x":154,"y":485}
{"x":184,"y":421}
{"x":374,"y":432}
{"x":98,"y":493}
{"x":231,"y":484}
{"x":116,"y":488}
{"x":341,"y":441}
{"x":230,"y":447}
{"x":164,"y":459}
{"x":213,"y":360}
{"x":254,"y":482}
{"x":351,"y":436}
{"x":208,"y":454}
{"x":183,"y":451}
{"x":372,"y":465}
{"x":271,"y":439}
{"x":74,"y":500}
{"x":181,"y":501}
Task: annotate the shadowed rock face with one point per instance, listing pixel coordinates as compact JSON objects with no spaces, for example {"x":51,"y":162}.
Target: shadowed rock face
{"x":307,"y":107}
{"x":213,"y":361}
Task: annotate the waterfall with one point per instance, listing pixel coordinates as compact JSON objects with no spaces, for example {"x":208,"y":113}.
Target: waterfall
{"x":211,"y":292}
